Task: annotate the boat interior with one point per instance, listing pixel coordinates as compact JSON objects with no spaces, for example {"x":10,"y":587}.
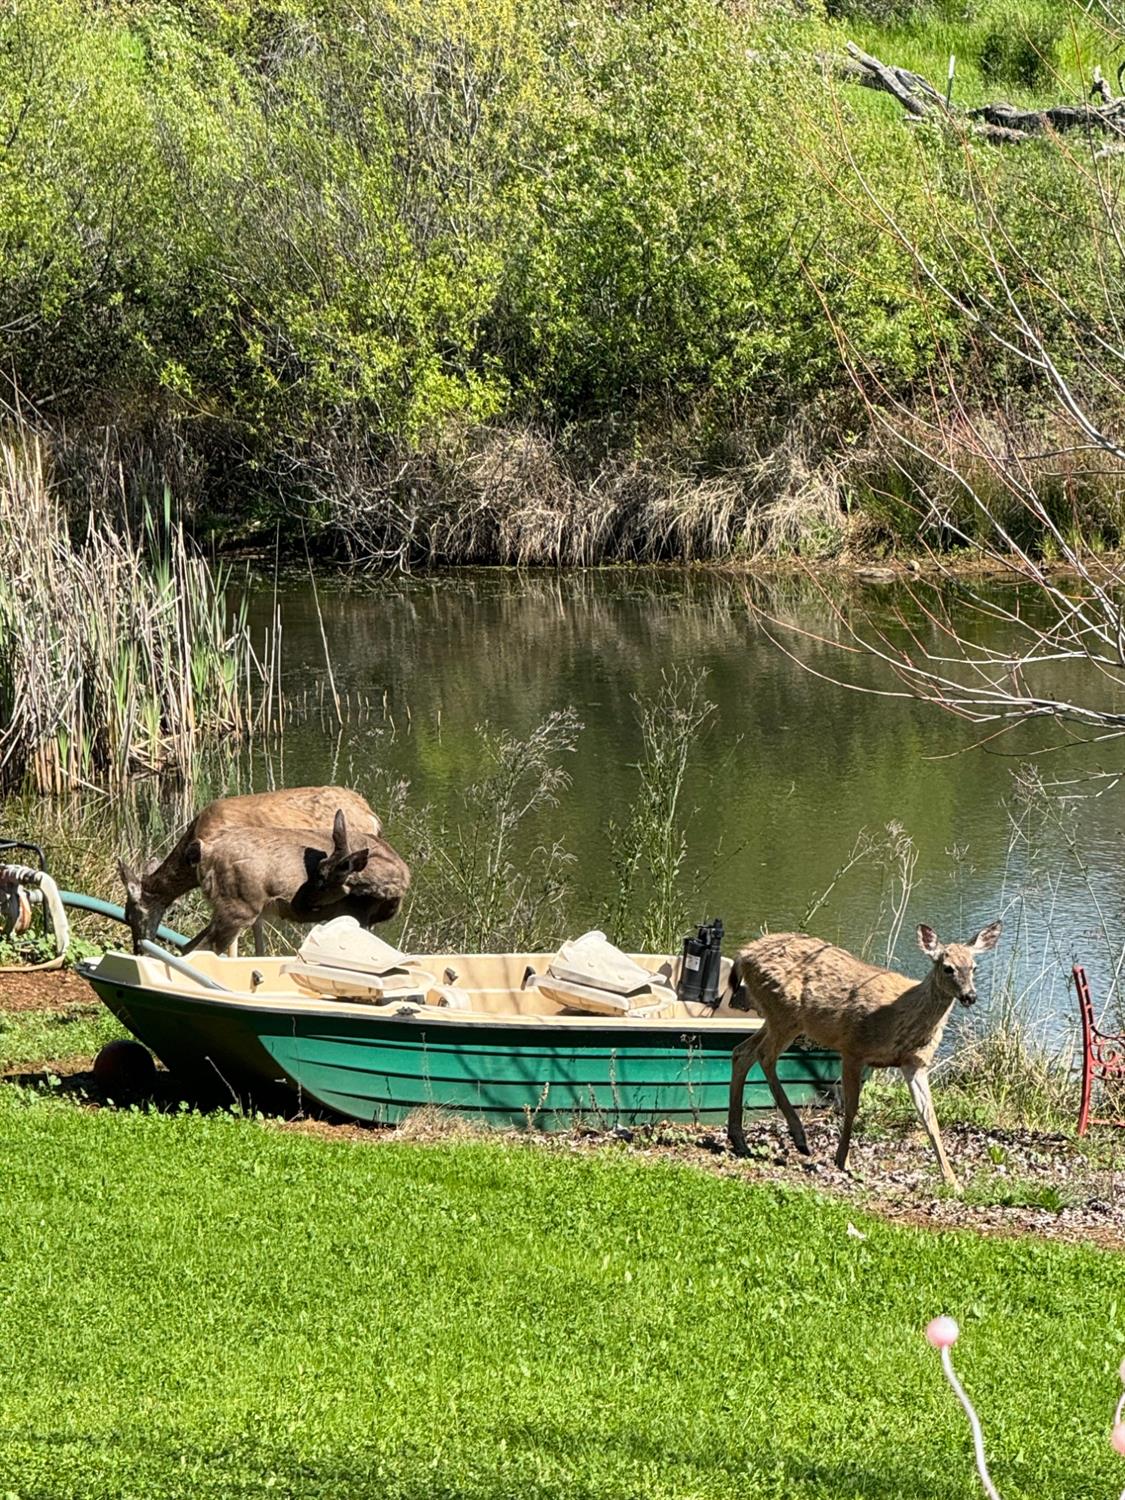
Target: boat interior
{"x":593,"y":985}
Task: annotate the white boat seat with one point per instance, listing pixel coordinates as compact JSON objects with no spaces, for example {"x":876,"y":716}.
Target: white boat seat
{"x":587,"y":999}
{"x":584,"y":998}
{"x":358,"y":984}
{"x":344,"y":944}
{"x":343,"y":959}
{"x":593,"y":961}
{"x":591,"y":976}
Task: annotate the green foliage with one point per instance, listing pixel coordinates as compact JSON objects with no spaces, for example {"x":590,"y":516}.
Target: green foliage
{"x":650,"y":848}
{"x":205,"y":1307}
{"x":36,"y":947}
{"x":1025,"y":58}
{"x":481,"y":894}
{"x":118,"y":654}
{"x":295,"y":243}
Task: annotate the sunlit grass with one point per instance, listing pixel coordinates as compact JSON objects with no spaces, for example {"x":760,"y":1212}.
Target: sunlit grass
{"x":207,"y":1307}
{"x":1037,"y":50}
{"x":54,"y":1036}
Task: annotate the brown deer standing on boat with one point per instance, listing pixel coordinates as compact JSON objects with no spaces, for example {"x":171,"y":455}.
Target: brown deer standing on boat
{"x":149,"y":895}
{"x":802,"y":986}
{"x":247,"y":872}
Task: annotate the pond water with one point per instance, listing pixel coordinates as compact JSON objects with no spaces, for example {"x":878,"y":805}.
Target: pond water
{"x":788,"y":773}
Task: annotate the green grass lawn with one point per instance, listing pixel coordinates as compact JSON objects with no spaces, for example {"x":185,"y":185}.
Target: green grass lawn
{"x":1021,"y":50}
{"x":210,"y":1307}
{"x":46,"y":1036}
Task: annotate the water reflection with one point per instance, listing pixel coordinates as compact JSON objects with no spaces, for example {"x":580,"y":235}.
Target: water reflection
{"x":792,"y":769}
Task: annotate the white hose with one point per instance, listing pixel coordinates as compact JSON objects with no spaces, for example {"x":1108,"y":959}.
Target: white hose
{"x":40,"y":882}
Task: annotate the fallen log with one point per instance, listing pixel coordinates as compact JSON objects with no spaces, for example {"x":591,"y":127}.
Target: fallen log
{"x":1000,"y":122}
{"x":911,"y":90}
{"x":1061,"y":117}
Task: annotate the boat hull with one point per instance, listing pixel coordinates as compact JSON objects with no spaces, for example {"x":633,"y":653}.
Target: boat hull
{"x":546,"y":1078}
{"x":378,"y":1068}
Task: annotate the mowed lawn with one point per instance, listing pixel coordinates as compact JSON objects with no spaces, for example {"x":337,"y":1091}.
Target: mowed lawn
{"x":212,"y":1307}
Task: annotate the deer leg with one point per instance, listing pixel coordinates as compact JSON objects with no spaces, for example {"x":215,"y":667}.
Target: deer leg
{"x":220,"y":935}
{"x":259,"y":937}
{"x":918,"y":1082}
{"x":200,"y":940}
{"x":770,"y":1053}
{"x":741,"y":1061}
{"x":852,"y":1082}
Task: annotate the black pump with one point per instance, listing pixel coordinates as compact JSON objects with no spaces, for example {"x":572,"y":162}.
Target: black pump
{"x":699,"y":970}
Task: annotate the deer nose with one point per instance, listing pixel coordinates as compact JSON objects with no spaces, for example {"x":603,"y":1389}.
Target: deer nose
{"x":969,"y":997}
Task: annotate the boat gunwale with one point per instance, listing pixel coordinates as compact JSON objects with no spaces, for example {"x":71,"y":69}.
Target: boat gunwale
{"x":358,"y":1010}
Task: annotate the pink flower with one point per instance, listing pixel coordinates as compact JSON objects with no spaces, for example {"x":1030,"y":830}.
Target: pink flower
{"x":942,"y":1332}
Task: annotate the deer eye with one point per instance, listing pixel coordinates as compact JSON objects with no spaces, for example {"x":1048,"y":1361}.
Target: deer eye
{"x":948,"y":968}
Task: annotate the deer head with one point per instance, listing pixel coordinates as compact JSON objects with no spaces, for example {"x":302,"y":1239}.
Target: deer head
{"x":329,"y":875}
{"x":142,"y":912}
{"x":954,"y":963}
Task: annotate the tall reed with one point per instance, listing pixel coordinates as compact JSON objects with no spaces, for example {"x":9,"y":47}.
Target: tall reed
{"x":484,"y":889}
{"x":119,"y":653}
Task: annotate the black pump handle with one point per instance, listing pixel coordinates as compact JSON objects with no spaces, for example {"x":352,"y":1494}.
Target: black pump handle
{"x":6,"y":844}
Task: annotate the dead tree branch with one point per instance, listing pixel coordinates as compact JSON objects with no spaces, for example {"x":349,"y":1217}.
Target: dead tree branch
{"x":1000,"y":122}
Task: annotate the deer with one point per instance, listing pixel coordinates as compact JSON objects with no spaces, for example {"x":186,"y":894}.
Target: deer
{"x":151,"y":893}
{"x":247,"y":872}
{"x":803,"y":986}
{"x":375,"y":884}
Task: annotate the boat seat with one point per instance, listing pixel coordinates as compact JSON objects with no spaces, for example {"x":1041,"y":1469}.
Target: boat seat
{"x":583,"y":999}
{"x":589,"y":976}
{"x":359,"y":984}
{"x":342,"y":959}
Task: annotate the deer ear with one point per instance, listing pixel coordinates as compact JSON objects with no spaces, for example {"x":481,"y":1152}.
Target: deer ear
{"x":340,"y":832}
{"x":928,"y":942}
{"x":986,"y":938}
{"x":355,"y":861}
{"x":130,"y":880}
{"x":314,"y":862}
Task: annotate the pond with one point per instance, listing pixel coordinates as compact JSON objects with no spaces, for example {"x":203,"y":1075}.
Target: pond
{"x":789,"y":771}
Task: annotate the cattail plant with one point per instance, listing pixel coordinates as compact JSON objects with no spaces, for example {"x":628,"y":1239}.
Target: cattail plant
{"x":119,"y":654}
{"x":943,"y":1333}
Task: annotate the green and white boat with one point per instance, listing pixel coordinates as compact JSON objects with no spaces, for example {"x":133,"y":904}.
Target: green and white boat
{"x":495,"y":1037}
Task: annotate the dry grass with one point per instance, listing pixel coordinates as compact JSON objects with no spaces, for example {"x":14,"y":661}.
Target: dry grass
{"x":531,"y":496}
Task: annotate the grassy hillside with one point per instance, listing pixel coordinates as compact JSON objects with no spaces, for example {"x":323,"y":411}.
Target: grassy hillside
{"x":413,"y":271}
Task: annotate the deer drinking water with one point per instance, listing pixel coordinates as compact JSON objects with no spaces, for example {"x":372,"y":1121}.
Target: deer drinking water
{"x":802,"y":986}
{"x":298,"y":809}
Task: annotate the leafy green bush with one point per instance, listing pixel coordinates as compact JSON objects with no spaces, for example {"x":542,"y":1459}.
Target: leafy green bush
{"x":300,"y":244}
{"x":1026,"y":57}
